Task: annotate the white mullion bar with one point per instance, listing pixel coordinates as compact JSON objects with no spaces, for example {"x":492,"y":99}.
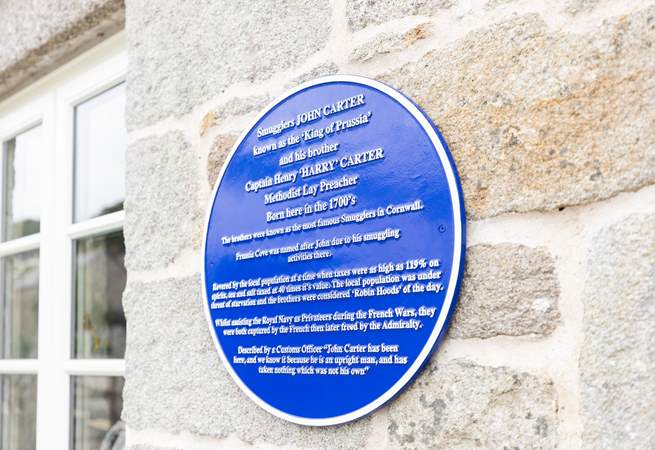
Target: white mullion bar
{"x":97,"y":225}
{"x":19,"y":366}
{"x":62,"y":285}
{"x":19,"y":245}
{"x":97,"y":367}
{"x":49,"y":380}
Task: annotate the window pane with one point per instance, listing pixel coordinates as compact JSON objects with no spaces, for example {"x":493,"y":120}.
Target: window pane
{"x":97,"y":405}
{"x":20,"y":304}
{"x":99,"y":282}
{"x":100,"y":141}
{"x":18,"y":400}
{"x":22,"y":198}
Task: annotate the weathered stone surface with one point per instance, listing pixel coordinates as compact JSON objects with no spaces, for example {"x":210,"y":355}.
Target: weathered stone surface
{"x":385,"y":43}
{"x":239,"y":106}
{"x":461,"y":405}
{"x":362,"y":13}
{"x":491,"y":4}
{"x":507,"y":290}
{"x":150,"y":447}
{"x":538,"y":119}
{"x":176,"y":382}
{"x":617,"y":359}
{"x":181,"y":54}
{"x":321,"y":70}
{"x":162,"y":211}
{"x":39,"y":36}
{"x":571,"y":7}
{"x":221,"y":147}
{"x":581,"y":6}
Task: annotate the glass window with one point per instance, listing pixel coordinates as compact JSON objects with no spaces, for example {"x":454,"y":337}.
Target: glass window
{"x":97,"y":405}
{"x":18,"y":400}
{"x":100,"y":142}
{"x":22,"y":199}
{"x":99,"y":282}
{"x":74,"y":145}
{"x":20,"y":303}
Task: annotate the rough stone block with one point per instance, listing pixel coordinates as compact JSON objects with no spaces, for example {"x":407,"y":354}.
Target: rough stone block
{"x":175,"y":380}
{"x":539,"y":119}
{"x":37,"y":37}
{"x":507,"y":290}
{"x":617,"y":359}
{"x":218,"y":152}
{"x":150,"y":447}
{"x":182,"y":54}
{"x":461,"y":405}
{"x":162,"y":211}
{"x":386,"y":43}
{"x":363,"y":13}
{"x":320,"y":70}
{"x":581,"y":6}
{"x":239,"y":106}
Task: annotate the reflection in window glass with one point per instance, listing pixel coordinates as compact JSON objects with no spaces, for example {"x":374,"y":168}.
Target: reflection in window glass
{"x":20,"y":303}
{"x":100,"y":141}
{"x":97,"y":405}
{"x":22,"y":199}
{"x":99,"y":282}
{"x":18,"y":401}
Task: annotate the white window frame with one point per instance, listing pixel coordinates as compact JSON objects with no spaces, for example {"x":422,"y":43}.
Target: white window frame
{"x":51,"y":102}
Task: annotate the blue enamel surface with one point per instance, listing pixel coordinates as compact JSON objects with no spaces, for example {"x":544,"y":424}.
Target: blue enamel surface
{"x":410,"y":170}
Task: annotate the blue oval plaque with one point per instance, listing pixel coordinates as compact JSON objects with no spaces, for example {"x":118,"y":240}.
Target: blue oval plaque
{"x":333,"y":250}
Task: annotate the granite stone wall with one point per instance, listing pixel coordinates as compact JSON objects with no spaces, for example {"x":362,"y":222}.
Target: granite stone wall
{"x":40,"y":35}
{"x":549,"y":111}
